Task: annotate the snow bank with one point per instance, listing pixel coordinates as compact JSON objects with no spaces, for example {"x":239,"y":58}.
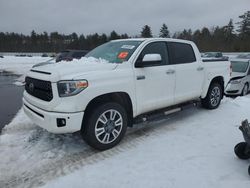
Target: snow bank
{"x":192,"y":148}
{"x":20,"y":65}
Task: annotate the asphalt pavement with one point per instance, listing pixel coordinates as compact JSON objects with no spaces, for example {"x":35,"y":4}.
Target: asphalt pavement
{"x":10,"y":98}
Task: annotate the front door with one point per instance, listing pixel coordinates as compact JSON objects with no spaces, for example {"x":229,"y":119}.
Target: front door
{"x":155,"y":82}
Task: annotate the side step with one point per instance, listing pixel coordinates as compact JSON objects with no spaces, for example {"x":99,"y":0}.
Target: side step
{"x":162,"y":113}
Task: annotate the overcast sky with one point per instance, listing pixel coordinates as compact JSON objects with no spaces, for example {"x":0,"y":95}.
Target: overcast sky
{"x":126,"y":16}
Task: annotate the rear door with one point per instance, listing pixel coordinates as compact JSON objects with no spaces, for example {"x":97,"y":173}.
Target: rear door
{"x":189,"y":71}
{"x":154,"y":82}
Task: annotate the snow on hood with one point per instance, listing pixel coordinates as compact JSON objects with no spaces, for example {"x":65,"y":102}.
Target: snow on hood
{"x":71,"y":69}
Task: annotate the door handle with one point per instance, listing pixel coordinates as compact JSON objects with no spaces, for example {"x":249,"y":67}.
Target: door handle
{"x":200,"y":68}
{"x":141,"y":77}
{"x":170,"y":71}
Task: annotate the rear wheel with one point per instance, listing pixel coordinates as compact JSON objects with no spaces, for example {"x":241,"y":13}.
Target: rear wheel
{"x":245,"y":90}
{"x":105,"y":126}
{"x":240,"y":150}
{"x":213,"y":98}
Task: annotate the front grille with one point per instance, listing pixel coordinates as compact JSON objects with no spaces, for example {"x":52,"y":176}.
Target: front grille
{"x":39,"y":88}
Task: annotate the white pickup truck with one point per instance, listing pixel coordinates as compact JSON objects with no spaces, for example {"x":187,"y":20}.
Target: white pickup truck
{"x":101,"y":94}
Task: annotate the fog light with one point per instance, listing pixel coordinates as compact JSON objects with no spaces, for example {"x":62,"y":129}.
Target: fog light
{"x":61,"y":122}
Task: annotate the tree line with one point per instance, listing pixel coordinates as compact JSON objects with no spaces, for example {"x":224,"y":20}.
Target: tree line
{"x":233,"y":37}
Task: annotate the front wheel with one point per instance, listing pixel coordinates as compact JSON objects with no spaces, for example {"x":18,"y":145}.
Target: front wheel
{"x":106,"y":126}
{"x":214,"y":96}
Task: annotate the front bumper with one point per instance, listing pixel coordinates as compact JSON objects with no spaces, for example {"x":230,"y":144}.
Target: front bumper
{"x":234,"y":89}
{"x":49,"y":120}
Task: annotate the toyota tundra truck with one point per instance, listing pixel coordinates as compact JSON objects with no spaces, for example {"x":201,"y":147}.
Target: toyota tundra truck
{"x":103,"y":93}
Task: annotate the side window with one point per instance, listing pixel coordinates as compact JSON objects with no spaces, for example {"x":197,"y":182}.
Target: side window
{"x":181,"y":53}
{"x":155,"y":48}
{"x":77,"y":54}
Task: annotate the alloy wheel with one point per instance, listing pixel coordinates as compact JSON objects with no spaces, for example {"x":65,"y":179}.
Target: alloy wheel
{"x":108,"y":126}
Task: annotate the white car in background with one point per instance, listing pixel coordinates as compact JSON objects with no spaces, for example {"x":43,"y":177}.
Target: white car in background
{"x":240,"y":80}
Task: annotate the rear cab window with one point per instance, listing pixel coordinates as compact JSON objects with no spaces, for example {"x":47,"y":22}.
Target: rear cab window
{"x":181,"y":53}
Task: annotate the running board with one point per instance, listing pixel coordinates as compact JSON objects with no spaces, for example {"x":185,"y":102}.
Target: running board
{"x":162,"y":113}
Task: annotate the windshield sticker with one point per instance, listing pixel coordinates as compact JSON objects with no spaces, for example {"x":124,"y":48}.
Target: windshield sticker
{"x":123,"y":55}
{"x":129,"y":47}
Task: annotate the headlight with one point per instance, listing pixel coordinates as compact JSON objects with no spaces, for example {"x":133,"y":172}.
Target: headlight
{"x":238,"y":81}
{"x":71,"y":87}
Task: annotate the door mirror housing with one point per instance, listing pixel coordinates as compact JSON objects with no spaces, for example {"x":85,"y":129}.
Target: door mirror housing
{"x":152,"y":58}
{"x":149,"y":60}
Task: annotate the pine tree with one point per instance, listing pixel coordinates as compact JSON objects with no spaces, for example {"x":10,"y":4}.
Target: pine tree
{"x":34,"y":38}
{"x":114,"y":36}
{"x":146,"y":32}
{"x":244,"y":24}
{"x":229,"y":28}
{"x":103,"y":38}
{"x":164,"y":32}
{"x":229,"y":32}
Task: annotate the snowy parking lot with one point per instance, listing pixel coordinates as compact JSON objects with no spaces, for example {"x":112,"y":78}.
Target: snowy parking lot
{"x":191,"y":148}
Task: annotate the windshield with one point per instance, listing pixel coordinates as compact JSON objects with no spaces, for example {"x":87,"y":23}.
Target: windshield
{"x":238,"y":66}
{"x":115,"y":51}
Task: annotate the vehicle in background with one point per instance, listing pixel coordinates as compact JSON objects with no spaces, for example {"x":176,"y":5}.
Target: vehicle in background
{"x":44,"y":55}
{"x":69,"y":55}
{"x":133,"y":80}
{"x":50,"y":61}
{"x":1,"y":56}
{"x":240,"y":79}
{"x":243,"y":56}
{"x":214,"y":55}
{"x":21,"y":55}
{"x":53,"y":55}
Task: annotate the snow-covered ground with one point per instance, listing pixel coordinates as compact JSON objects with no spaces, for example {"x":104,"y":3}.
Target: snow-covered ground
{"x":192,"y":148}
{"x":20,"y":65}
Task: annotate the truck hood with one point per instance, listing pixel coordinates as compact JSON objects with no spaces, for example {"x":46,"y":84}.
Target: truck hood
{"x":72,"y":69}
{"x":238,"y":74}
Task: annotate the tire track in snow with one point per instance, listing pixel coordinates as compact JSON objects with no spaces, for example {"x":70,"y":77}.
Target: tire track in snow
{"x":71,"y":163}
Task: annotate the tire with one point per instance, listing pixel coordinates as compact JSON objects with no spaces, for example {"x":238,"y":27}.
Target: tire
{"x":239,"y":151}
{"x":245,"y":90}
{"x":249,"y":170}
{"x":214,"y":96}
{"x":106,"y":126}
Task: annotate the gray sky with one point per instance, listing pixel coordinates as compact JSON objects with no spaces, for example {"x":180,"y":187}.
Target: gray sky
{"x":127,"y":16}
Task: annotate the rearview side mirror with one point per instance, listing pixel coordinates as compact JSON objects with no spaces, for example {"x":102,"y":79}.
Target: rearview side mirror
{"x":149,"y":60}
{"x":152,"y":58}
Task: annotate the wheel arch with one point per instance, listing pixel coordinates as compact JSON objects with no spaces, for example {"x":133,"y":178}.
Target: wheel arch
{"x":121,"y":98}
{"x":219,"y":80}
